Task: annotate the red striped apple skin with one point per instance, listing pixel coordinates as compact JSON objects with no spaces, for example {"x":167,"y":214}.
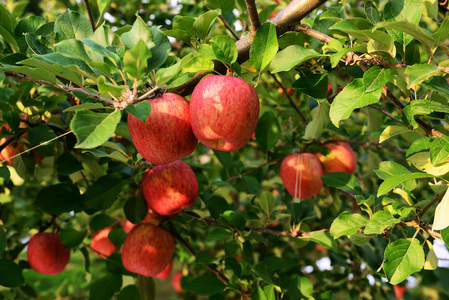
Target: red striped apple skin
{"x":102,"y":244}
{"x":166,"y":134}
{"x":168,"y":189}
{"x":224,"y":111}
{"x":147,"y":250}
{"x":47,"y":254}
{"x":341,"y":158}
{"x":301,"y":174}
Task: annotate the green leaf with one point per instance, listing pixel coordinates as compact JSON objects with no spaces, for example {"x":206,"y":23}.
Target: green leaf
{"x":439,"y":149}
{"x":105,"y":287}
{"x":438,"y":84}
{"x":440,"y":220}
{"x":85,"y":106}
{"x":67,"y":164}
{"x":347,"y":224}
{"x":35,"y":45}
{"x":403,"y":258}
{"x":203,"y":23}
{"x":135,"y":209}
{"x":139,"y":31}
{"x":160,"y":51}
{"x":343,"y":181}
{"x":392,"y":131}
{"x":4,"y":173}
{"x":59,"y":198}
{"x":445,"y":235}
{"x":224,"y":49}
{"x":391,"y":182}
{"x":314,"y":85}
{"x":264,"y":46}
{"x":350,"y":98}
{"x":72,"y":25}
{"x":235,"y":219}
{"x":404,"y":28}
{"x":324,"y":239}
{"x":422,"y":107}
{"x":375,"y":78}
{"x":135,"y":60}
{"x":442,"y":31}
{"x":130,"y":292}
{"x":7,"y":35}
{"x":266,"y":201}
{"x":291,"y":56}
{"x":7,"y":18}
{"x":320,"y":120}
{"x":103,"y":192}
{"x":267,"y":131}
{"x":218,"y":234}
{"x":379,"y":222}
{"x":140,"y":110}
{"x":199,"y":63}
{"x":205,"y":285}
{"x":403,"y":10}
{"x":390,"y":168}
{"x":100,"y":221}
{"x":93,"y":129}
{"x":72,"y":238}
{"x":2,"y":240}
{"x":40,"y":136}
{"x":224,"y":5}
{"x":102,"y":5}
{"x":10,"y":272}
{"x":419,"y":73}
{"x":372,"y":13}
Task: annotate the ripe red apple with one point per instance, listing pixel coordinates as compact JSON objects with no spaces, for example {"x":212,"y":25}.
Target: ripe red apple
{"x":301,"y":174}
{"x":399,"y":291}
{"x":176,"y":281}
{"x":166,"y":134}
{"x":165,"y":273}
{"x":127,"y":226}
{"x":290,"y":91}
{"x":47,"y":254}
{"x":168,"y":189}
{"x":224,"y":111}
{"x":147,"y":250}
{"x":102,"y":244}
{"x":341,"y":158}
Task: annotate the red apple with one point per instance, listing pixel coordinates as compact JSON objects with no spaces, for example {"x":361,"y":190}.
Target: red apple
{"x":176,"y":281}
{"x":47,"y":254}
{"x":147,"y":250}
{"x":16,"y":147}
{"x":102,"y":244}
{"x":165,"y":273}
{"x":301,"y":174}
{"x":127,"y":226}
{"x":166,"y":134}
{"x":399,"y":291}
{"x":224,"y":111}
{"x":168,"y":189}
{"x":341,"y":158}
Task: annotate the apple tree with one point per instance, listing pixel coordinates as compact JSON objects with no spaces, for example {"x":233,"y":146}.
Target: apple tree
{"x":338,"y":192}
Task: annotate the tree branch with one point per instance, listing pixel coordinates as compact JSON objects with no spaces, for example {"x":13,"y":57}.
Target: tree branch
{"x":89,"y":13}
{"x":284,"y":21}
{"x":229,"y":28}
{"x":253,"y":15}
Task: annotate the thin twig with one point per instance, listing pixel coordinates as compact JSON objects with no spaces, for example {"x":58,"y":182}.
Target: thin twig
{"x":390,"y":96}
{"x":425,"y":209}
{"x":192,"y":252}
{"x":387,"y":114}
{"x":229,"y":28}
{"x":294,"y":234}
{"x":253,"y":15}
{"x":89,"y":13}
{"x":61,"y":87}
{"x":290,"y":100}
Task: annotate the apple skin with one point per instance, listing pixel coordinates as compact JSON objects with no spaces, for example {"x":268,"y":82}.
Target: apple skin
{"x":165,"y":273}
{"x":168,"y":189}
{"x":224,"y":111}
{"x":341,"y":158}
{"x":166,"y":134}
{"x":16,"y":147}
{"x":147,"y":250}
{"x":301,"y":174}
{"x":102,"y":244}
{"x":47,"y":254}
{"x":176,"y":281}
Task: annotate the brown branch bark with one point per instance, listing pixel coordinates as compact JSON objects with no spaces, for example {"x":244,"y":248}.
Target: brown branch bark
{"x":284,"y":21}
{"x":253,"y":15}
{"x":89,"y":13}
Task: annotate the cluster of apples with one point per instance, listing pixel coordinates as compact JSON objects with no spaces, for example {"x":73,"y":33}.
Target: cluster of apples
{"x":301,"y":172}
{"x":222,"y":115}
